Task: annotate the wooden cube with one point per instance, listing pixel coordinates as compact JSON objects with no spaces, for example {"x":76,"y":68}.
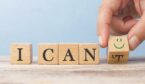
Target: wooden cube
{"x":89,"y":53}
{"x":48,"y":54}
{"x":118,"y":50}
{"x":21,"y":53}
{"x":68,"y":54}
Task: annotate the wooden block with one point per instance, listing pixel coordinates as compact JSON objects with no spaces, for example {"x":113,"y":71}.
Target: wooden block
{"x":21,"y":53}
{"x":48,"y":54}
{"x":118,"y":50}
{"x":89,"y":53}
{"x":68,"y":54}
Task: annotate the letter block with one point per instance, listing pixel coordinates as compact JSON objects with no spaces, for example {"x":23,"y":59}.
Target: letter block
{"x":89,"y":53}
{"x":118,"y":50}
{"x":21,"y":53}
{"x":48,"y":54}
{"x":68,"y":54}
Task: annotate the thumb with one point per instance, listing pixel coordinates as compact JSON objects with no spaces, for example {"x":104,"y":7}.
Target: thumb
{"x":137,"y":34}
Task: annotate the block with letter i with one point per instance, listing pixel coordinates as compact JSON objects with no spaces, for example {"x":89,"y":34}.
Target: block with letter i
{"x":118,"y":50}
{"x":21,"y":53}
{"x":88,"y":53}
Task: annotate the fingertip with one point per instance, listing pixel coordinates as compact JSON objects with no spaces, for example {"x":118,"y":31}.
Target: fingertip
{"x":134,"y":42}
{"x":102,"y":42}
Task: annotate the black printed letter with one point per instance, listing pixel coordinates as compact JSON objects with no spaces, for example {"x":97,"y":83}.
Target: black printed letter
{"x":68,"y":54}
{"x":44,"y":54}
{"x":90,"y":54}
{"x":20,"y":53}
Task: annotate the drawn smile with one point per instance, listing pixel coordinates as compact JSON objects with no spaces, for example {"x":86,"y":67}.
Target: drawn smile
{"x":119,"y":44}
{"x":118,"y":47}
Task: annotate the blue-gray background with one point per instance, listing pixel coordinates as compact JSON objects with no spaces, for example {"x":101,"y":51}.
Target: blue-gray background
{"x":37,"y":21}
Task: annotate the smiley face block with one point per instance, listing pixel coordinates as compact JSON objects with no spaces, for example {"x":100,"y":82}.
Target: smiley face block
{"x":118,"y":50}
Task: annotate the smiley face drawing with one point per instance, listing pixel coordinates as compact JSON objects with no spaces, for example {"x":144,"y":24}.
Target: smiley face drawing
{"x":119,"y":44}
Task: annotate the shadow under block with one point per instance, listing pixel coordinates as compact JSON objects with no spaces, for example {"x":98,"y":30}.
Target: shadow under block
{"x":118,"y":50}
{"x":68,"y":54}
{"x":89,"y":53}
{"x":21,"y":53}
{"x":48,"y":54}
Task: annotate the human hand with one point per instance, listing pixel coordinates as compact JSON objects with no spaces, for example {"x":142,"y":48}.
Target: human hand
{"x":118,"y":17}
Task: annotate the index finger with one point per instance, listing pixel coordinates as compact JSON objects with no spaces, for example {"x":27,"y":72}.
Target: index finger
{"x":104,"y":20}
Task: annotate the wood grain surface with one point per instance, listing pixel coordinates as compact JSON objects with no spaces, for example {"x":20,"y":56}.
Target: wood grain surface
{"x":131,"y":73}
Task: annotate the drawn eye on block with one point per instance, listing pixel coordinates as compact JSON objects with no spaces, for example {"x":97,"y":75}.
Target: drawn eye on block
{"x":118,"y":50}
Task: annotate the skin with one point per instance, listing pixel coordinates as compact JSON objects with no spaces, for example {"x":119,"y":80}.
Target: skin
{"x":119,"y":17}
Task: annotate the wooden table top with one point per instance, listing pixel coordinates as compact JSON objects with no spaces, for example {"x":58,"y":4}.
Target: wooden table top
{"x":131,"y":73}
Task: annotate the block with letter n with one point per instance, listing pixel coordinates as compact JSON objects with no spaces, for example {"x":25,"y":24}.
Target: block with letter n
{"x":89,"y":53}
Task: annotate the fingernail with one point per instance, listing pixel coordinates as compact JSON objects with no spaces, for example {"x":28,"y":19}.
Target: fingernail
{"x":134,"y":42}
{"x":100,"y":40}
